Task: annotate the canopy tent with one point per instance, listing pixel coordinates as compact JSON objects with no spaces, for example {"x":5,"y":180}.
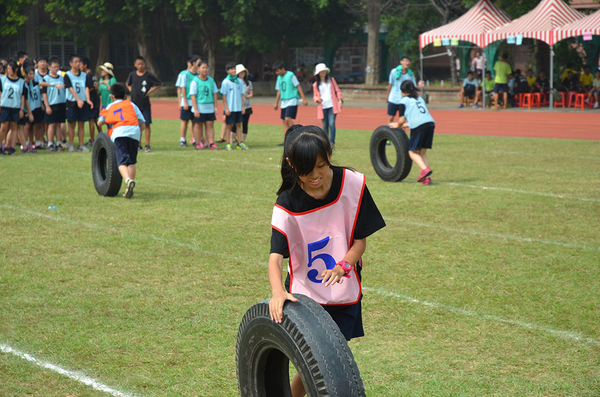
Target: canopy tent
{"x":539,"y":23}
{"x":589,"y":24}
{"x":472,"y":26}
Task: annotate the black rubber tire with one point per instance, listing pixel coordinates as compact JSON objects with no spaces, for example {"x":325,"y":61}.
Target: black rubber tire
{"x":105,"y":172}
{"x":309,"y":338}
{"x":380,"y":162}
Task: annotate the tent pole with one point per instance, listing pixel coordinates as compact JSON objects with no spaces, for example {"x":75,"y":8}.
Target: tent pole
{"x":551,"y":100}
{"x":422,"y":77}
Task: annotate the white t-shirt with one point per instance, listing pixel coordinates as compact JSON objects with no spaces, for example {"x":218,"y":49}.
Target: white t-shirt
{"x":325,"y":91}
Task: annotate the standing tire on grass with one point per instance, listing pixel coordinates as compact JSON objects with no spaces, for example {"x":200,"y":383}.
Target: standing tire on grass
{"x":309,"y":338}
{"x":105,"y":172}
{"x":379,"y":159}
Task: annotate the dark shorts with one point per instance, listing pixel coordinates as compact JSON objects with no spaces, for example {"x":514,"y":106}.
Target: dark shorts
{"x":421,"y":137}
{"x":393,"y":109}
{"x":204,"y":117}
{"x":498,"y":88}
{"x":59,"y":114}
{"x":126,"y":150}
{"x":95,"y":112}
{"x":9,"y":114}
{"x":38,"y":116}
{"x":24,"y":120}
{"x":234,"y":118}
{"x":347,"y":317}
{"x":186,"y":114}
{"x":147,"y":113}
{"x":470,"y":90}
{"x":290,"y":111}
{"x":75,"y":113}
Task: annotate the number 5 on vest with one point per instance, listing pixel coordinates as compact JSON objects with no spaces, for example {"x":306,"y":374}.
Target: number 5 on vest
{"x":326,"y":258}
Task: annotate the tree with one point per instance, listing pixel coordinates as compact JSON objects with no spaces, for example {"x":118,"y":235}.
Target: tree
{"x":13,"y":15}
{"x":446,"y":8}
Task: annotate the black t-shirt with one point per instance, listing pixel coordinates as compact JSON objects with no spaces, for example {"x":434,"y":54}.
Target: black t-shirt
{"x":543,"y":83}
{"x":90,"y":79}
{"x":521,"y":84}
{"x":571,"y":83}
{"x":369,"y":218}
{"x":140,"y":85}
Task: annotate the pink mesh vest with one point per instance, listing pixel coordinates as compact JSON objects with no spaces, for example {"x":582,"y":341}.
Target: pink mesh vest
{"x":320,"y":238}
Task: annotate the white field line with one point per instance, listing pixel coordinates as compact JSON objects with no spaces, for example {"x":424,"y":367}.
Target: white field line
{"x":531,"y":154}
{"x":494,"y":235}
{"x":563,"y":334}
{"x":570,"y":335}
{"x":70,"y":374}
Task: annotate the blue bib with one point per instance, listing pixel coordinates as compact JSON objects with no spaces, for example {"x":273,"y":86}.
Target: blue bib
{"x":416,"y":112}
{"x":34,"y":96}
{"x":12,"y":91}
{"x":55,"y":96}
{"x":78,"y":83}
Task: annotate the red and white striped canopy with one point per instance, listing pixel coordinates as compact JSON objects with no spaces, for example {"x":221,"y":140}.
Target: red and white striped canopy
{"x":589,"y":24}
{"x":539,"y":23}
{"x":481,"y":18}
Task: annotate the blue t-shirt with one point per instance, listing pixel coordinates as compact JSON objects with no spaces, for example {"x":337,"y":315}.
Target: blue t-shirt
{"x":206,"y":94}
{"x":55,"y":96}
{"x":77,"y":81}
{"x":473,"y":82}
{"x":12,"y":91}
{"x":288,"y":102}
{"x":34,"y":96}
{"x":395,"y":93}
{"x":415,"y":112}
{"x":234,"y":91}
{"x":183,"y":81}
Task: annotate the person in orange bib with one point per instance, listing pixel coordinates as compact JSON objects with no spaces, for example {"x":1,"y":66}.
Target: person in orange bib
{"x":124,"y":120}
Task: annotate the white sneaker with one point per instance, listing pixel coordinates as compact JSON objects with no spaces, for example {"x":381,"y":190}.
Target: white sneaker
{"x":596,"y":106}
{"x":82,"y":148}
{"x":71,"y":148}
{"x":129,"y":189}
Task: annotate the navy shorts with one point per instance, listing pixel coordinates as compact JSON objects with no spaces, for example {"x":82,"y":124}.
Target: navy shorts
{"x":126,"y":150}
{"x":498,"y":88}
{"x":147,"y":113}
{"x":393,"y":108}
{"x":38,"y":116}
{"x":24,"y":120}
{"x":290,"y":111}
{"x":59,"y":114}
{"x":234,"y":118}
{"x":421,"y":137}
{"x":95,"y":112}
{"x":204,"y":117}
{"x":9,"y":114}
{"x":75,"y":113}
{"x":470,"y":90}
{"x":347,"y":317}
{"x":186,"y":114}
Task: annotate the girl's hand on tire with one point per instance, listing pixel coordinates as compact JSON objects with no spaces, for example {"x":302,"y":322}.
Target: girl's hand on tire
{"x":276,"y":304}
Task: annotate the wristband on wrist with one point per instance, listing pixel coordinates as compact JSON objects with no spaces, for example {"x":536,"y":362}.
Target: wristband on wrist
{"x":346,"y":266}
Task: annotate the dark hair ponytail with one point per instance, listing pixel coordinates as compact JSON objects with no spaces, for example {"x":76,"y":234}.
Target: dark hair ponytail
{"x":302,"y":146}
{"x":407,"y":87}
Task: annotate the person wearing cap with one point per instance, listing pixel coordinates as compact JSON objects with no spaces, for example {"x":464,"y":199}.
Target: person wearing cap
{"x":328,"y":97}
{"x":107,"y":78}
{"x":242,"y":73}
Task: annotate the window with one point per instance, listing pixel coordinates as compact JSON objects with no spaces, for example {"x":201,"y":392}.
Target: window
{"x":62,"y":48}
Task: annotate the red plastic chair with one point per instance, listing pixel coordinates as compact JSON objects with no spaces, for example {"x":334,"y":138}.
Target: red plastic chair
{"x":519,"y":100}
{"x":528,"y":100}
{"x":537,"y":99}
{"x":571,"y":98}
{"x":580,"y":100}
{"x":562,"y":102}
{"x":544,"y":99}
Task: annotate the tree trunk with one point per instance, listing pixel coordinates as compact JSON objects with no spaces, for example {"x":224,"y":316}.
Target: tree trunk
{"x":212,"y":59}
{"x":454,"y":77}
{"x":143,"y":45}
{"x":374,"y":23}
{"x":103,"y":44}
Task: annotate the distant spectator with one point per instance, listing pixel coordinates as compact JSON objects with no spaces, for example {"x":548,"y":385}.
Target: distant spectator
{"x":521,"y":84}
{"x":502,"y":69}
{"x":570,"y":83}
{"x":302,"y":74}
{"x":469,"y":90}
{"x":566,"y":71}
{"x":489,"y":87}
{"x":511,"y":89}
{"x":586,"y":80}
{"x":542,"y":84}
{"x":268,"y":73}
{"x":530,"y":79}
{"x":596,"y":91}
{"x":478,"y":63}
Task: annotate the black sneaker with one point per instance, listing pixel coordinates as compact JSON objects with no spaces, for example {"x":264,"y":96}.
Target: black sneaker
{"x":147,"y":148}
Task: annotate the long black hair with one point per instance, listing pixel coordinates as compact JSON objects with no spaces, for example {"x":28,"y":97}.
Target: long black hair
{"x":302,"y":146}
{"x":407,"y":87}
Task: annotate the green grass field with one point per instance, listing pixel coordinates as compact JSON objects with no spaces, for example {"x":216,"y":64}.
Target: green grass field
{"x":485,"y":283}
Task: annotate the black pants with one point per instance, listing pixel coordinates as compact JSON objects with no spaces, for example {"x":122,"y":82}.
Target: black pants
{"x":246,"y":115}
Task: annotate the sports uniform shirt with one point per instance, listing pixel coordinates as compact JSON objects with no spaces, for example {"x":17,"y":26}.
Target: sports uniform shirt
{"x":489,"y":85}
{"x":415,"y":111}
{"x":38,"y":76}
{"x":395,"y":94}
{"x":473,"y":82}
{"x":140,"y":85}
{"x":12,"y":92}
{"x":55,"y":96}
{"x":317,"y":239}
{"x":287,"y":85}
{"x":502,"y":69}
{"x":124,"y":117}
{"x":79,"y":84}
{"x":184,"y":80}
{"x":233,"y":90}
{"x":34,"y":95}
{"x":204,"y":91}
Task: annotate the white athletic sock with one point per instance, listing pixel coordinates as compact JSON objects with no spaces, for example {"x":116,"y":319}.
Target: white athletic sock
{"x":182,"y":139}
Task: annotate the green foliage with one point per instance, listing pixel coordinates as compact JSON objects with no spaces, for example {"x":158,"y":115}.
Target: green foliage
{"x":13,"y":15}
{"x":514,"y":8}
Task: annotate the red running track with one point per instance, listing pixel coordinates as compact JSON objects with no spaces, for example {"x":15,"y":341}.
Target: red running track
{"x":519,"y":123}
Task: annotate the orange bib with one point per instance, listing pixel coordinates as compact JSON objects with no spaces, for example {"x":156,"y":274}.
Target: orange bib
{"x":119,"y":115}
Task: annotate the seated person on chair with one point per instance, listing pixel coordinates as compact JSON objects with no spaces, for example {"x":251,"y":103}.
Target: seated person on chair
{"x":542,"y":84}
{"x":568,"y":69}
{"x":569,"y":83}
{"x":511,"y":89}
{"x":469,"y":90}
{"x":489,"y":88}
{"x":596,"y":91}
{"x":521,"y":84}
{"x":531,"y":79}
{"x":586,"y":80}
